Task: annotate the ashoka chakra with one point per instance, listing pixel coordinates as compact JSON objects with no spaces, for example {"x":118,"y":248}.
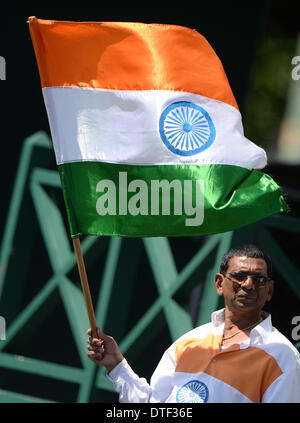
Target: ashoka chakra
{"x":193,"y":392}
{"x":186,"y":128}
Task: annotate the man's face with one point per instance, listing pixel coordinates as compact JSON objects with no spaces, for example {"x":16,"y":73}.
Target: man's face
{"x":247,"y":295}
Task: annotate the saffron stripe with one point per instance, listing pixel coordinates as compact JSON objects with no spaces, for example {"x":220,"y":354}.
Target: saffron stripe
{"x":128,"y":56}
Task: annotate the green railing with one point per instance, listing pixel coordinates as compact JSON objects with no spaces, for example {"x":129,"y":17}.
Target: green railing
{"x":141,"y":296}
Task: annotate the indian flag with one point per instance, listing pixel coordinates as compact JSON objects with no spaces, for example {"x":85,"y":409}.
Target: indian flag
{"x":147,"y":134}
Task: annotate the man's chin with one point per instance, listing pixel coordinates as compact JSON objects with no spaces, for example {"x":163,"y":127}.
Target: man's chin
{"x":246,"y":303}
{"x":247,"y":300}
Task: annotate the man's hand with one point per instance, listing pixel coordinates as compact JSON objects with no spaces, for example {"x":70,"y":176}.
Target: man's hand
{"x":104,"y":351}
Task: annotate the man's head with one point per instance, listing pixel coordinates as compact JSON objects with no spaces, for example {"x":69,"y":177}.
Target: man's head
{"x":245,"y":278}
{"x":248,"y":250}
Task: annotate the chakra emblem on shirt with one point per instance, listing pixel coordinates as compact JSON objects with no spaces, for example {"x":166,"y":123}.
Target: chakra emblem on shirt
{"x":193,"y":392}
{"x":186,"y":128}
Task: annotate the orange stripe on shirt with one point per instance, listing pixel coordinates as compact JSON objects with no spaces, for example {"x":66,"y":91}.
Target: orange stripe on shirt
{"x":128,"y":56}
{"x":251,"y":370}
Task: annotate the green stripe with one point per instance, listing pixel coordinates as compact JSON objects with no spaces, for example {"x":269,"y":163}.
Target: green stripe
{"x":233,"y":197}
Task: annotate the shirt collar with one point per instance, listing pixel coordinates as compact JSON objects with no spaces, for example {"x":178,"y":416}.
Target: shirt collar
{"x":218,"y":317}
{"x":258,"y":334}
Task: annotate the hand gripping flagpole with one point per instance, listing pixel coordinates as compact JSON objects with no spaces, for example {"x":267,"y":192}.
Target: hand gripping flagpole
{"x":85,"y":286}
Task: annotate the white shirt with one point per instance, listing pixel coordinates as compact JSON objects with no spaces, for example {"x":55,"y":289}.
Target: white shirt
{"x":266,"y":368}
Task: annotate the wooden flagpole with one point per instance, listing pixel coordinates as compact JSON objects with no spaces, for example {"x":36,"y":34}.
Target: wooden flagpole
{"x":85,"y":286}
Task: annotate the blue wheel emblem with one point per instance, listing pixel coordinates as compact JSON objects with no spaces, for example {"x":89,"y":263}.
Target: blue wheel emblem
{"x":193,"y":391}
{"x":186,"y":128}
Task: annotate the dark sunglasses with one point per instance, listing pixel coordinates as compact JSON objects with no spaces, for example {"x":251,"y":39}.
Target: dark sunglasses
{"x":240,"y":277}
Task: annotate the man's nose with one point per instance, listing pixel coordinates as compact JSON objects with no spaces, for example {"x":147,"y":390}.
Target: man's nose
{"x":249,"y":283}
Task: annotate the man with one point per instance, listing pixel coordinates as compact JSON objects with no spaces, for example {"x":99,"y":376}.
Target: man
{"x":237,"y":357}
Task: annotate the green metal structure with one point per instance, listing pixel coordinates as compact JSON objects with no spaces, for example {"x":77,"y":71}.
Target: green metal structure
{"x":145,"y":294}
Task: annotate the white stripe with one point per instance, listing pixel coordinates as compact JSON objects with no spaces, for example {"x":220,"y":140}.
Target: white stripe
{"x":115,"y":126}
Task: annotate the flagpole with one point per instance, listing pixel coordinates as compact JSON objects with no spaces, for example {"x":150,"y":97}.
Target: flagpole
{"x":85,"y":286}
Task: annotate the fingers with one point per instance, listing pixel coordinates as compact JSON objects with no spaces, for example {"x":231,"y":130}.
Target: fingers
{"x":95,"y":343}
{"x":96,"y":346}
{"x":100,"y":333}
{"x":96,"y":357}
{"x":95,"y":349}
{"x":91,"y":333}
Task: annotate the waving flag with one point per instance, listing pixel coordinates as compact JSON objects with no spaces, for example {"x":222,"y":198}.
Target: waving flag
{"x":147,"y":134}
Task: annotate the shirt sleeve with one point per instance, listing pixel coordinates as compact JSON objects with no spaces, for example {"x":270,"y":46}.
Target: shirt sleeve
{"x":134,"y":389}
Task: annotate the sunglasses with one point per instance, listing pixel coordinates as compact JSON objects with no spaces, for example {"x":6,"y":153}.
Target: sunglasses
{"x":240,"y":277}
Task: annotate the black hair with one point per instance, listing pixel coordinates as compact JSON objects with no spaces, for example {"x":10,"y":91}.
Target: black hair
{"x":248,"y":250}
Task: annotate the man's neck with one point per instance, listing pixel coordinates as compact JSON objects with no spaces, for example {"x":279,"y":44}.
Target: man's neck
{"x":241,"y":320}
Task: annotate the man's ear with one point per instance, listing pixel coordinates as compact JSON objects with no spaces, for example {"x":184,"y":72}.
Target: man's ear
{"x":270,"y":290}
{"x":219,"y":283}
